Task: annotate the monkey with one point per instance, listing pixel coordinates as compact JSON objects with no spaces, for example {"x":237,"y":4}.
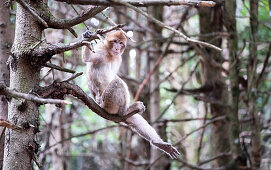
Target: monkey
{"x":111,"y":92}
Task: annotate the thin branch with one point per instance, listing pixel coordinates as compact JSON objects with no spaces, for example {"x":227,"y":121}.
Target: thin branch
{"x":183,"y":138}
{"x":156,"y":65}
{"x":113,"y":23}
{"x":33,"y":12}
{"x":14,"y":94}
{"x":52,"y":49}
{"x":79,"y":135}
{"x":53,"y":66}
{"x":177,"y":94}
{"x":161,"y":24}
{"x":8,"y":124}
{"x":144,"y":3}
{"x":67,"y":23}
{"x":201,"y":127}
{"x":73,"y":77}
{"x":215,"y":157}
{"x":183,"y":120}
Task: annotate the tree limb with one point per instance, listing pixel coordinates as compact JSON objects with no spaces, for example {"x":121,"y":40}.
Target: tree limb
{"x":33,"y":12}
{"x":67,"y":23}
{"x":7,"y":91}
{"x":161,"y":24}
{"x":60,"y":89}
{"x":144,"y":3}
{"x":45,"y":52}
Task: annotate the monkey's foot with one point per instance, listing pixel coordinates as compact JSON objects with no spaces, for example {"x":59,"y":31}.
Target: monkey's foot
{"x":167,"y":148}
{"x":137,"y":106}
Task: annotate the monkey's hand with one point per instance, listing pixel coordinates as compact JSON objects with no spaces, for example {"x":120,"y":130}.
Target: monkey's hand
{"x":167,"y":148}
{"x":87,"y":34}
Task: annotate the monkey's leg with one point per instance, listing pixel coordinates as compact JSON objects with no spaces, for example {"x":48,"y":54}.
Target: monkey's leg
{"x":114,"y":98}
{"x":144,"y":129}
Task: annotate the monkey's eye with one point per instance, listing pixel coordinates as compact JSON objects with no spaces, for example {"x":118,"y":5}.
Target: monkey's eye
{"x":121,"y":43}
{"x":115,"y":41}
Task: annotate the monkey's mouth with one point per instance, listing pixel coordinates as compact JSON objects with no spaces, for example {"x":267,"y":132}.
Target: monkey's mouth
{"x":116,"y":51}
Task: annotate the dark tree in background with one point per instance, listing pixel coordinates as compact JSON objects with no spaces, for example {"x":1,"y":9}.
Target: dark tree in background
{"x":200,"y":67}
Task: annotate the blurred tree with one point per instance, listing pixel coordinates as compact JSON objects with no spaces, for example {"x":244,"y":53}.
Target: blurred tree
{"x":6,"y":38}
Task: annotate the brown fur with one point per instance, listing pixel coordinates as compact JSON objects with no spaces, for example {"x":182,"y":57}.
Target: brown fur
{"x":117,"y":35}
{"x":110,"y":37}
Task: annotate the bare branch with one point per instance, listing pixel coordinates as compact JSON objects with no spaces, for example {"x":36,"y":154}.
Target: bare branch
{"x":33,"y":12}
{"x":161,"y":24}
{"x":144,"y":3}
{"x":80,"y":135}
{"x":8,"y":124}
{"x":215,"y":157}
{"x":60,"y":89}
{"x":14,"y":94}
{"x":220,"y":118}
{"x":53,"y":66}
{"x":52,"y":49}
{"x":67,"y":23}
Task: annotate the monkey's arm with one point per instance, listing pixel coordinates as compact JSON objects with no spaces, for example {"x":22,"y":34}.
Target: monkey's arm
{"x":90,"y":56}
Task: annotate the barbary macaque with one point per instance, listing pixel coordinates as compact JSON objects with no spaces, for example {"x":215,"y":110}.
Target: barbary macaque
{"x":111,"y":92}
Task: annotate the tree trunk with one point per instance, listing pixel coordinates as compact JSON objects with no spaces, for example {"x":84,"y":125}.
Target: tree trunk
{"x":6,"y":37}
{"x":211,"y":21}
{"x":252,"y":86}
{"x":163,"y":163}
{"x":230,"y":24}
{"x":21,"y":145}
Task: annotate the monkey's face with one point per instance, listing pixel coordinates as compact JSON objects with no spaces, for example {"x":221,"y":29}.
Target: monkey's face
{"x":117,"y":46}
{"x":116,"y":42}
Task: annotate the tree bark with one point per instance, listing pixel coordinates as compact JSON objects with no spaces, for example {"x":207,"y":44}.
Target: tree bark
{"x":211,"y":21}
{"x":230,"y":24}
{"x":21,"y":145}
{"x":252,"y":87}
{"x":6,"y":38}
{"x":163,"y":163}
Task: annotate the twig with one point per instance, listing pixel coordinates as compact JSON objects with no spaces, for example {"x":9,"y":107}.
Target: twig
{"x":8,"y":124}
{"x":215,"y":157}
{"x":144,"y":3}
{"x":113,"y":23}
{"x":53,"y":66}
{"x":183,"y":120}
{"x":36,"y":160}
{"x":73,"y":77}
{"x":177,"y":94}
{"x":183,"y":138}
{"x":14,"y":94}
{"x":80,"y":135}
{"x":58,"y":23}
{"x":203,"y":126}
{"x":79,"y":14}
{"x":157,"y":63}
{"x":161,"y":24}
{"x":33,"y":12}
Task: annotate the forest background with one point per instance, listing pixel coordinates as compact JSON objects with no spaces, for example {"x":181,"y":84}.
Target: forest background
{"x":210,"y":101}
